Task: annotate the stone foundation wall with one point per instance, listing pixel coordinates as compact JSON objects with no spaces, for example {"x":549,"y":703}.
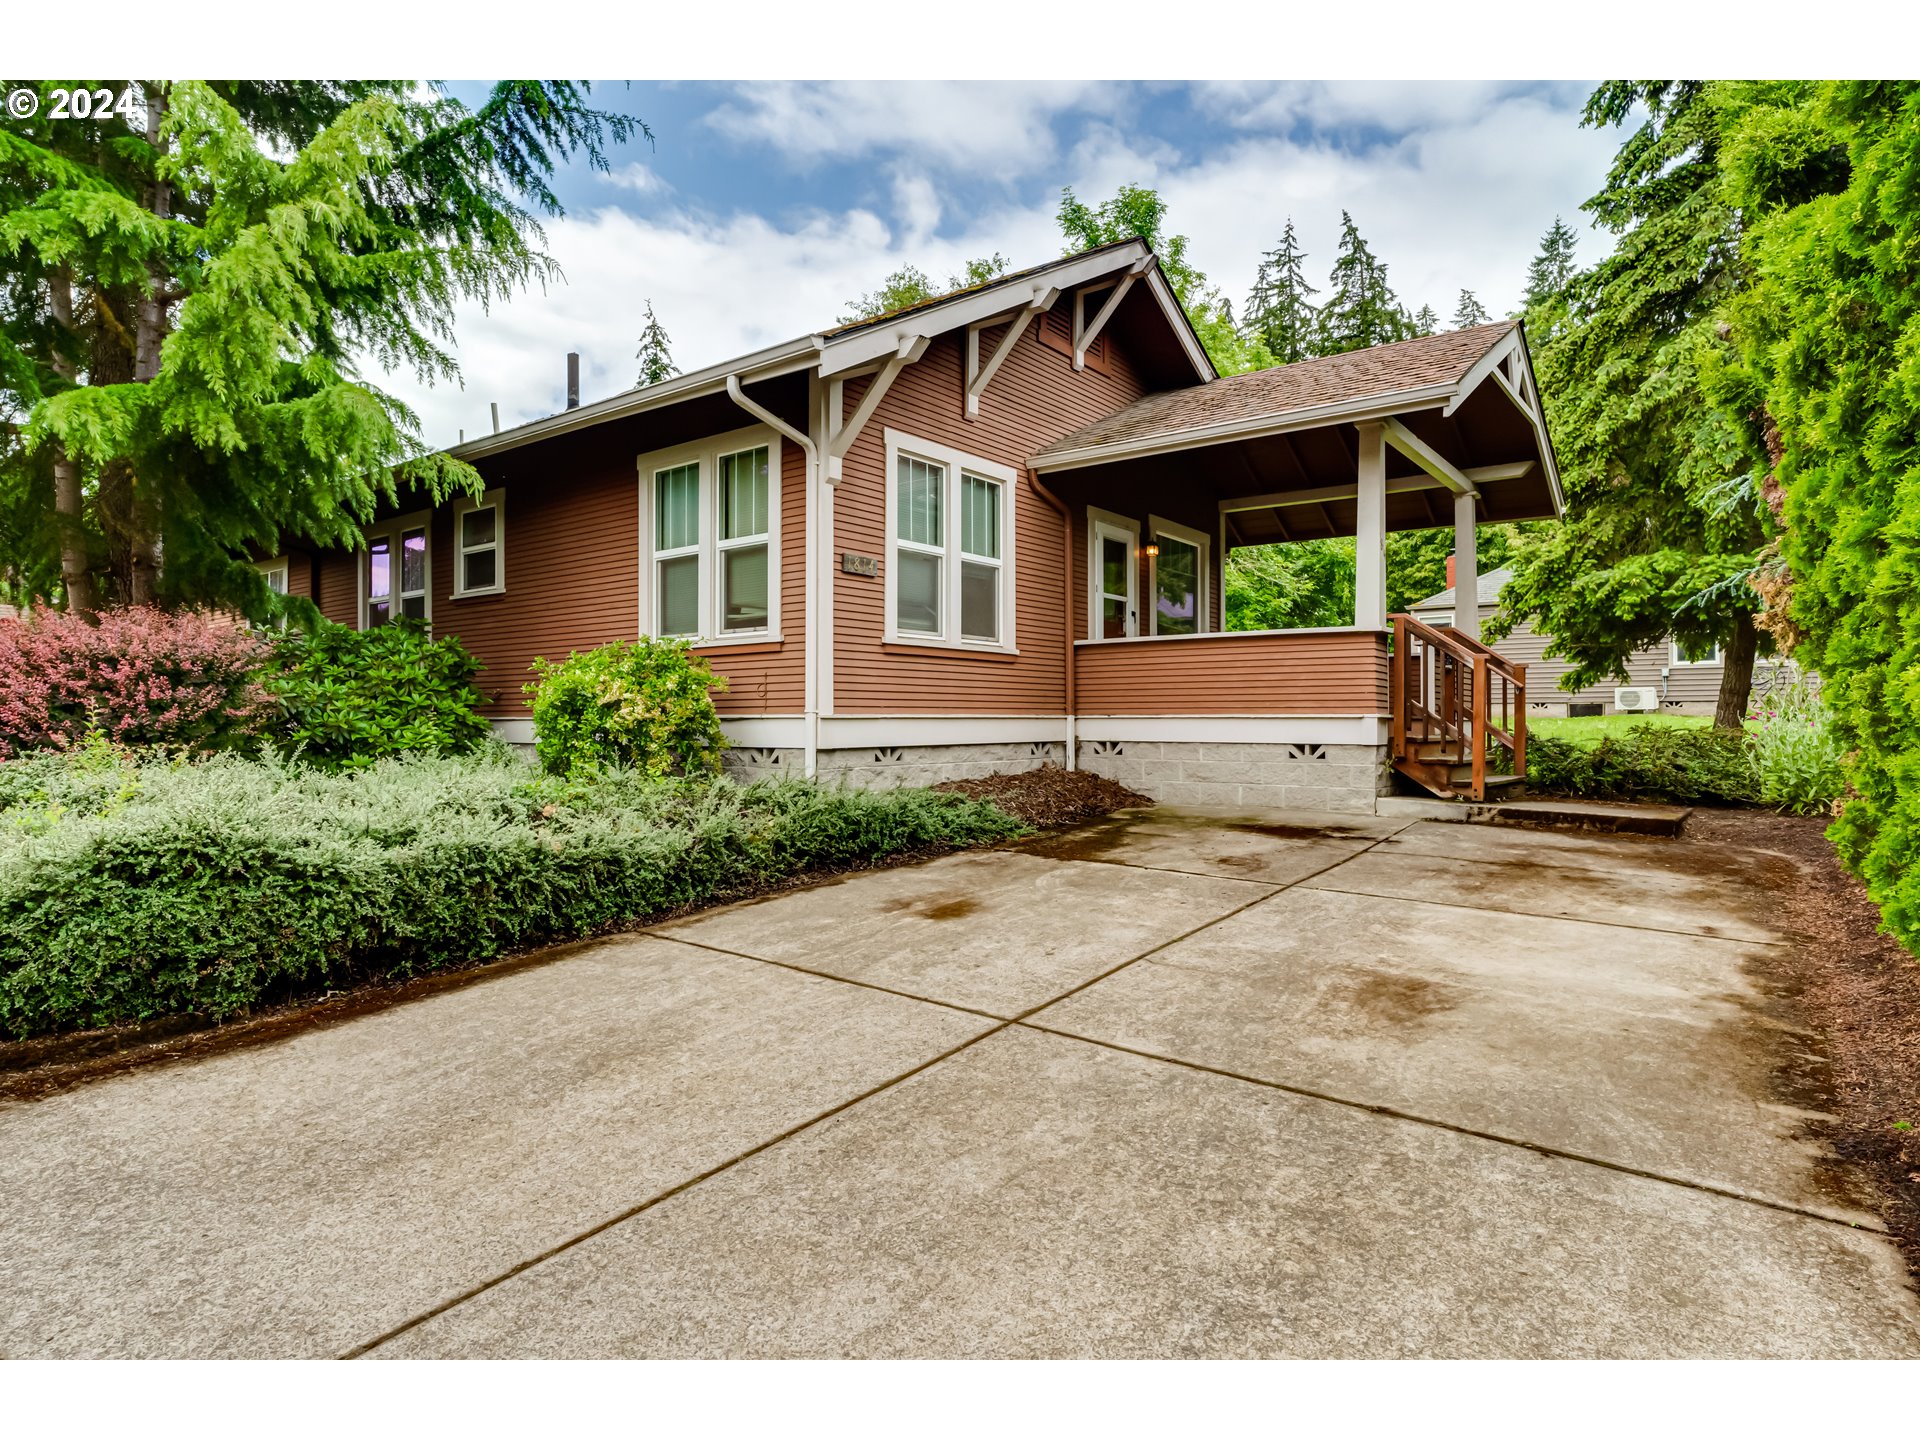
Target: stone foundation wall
{"x":759,"y":762}
{"x":1343,"y":778}
{"x":885,"y":767}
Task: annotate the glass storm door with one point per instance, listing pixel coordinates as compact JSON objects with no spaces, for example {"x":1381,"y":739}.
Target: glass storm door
{"x":1117,"y":566}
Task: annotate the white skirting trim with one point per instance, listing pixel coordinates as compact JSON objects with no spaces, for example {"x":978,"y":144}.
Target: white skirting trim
{"x":856,"y":732}
{"x":1239,"y":729}
{"x":514,"y":732}
{"x":773,"y":732}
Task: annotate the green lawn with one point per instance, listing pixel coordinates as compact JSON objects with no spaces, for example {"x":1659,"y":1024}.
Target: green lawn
{"x":1595,"y":727}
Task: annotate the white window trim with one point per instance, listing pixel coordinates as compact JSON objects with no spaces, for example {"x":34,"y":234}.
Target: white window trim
{"x":392,"y":530}
{"x":462,"y":506}
{"x":706,"y":454}
{"x":279,"y":563}
{"x":953,"y":462}
{"x":1201,"y":541}
{"x":1096,"y":520}
{"x":1674,"y":658}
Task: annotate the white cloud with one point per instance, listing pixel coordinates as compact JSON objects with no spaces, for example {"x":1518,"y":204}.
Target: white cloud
{"x":638,"y":178}
{"x":989,"y":128}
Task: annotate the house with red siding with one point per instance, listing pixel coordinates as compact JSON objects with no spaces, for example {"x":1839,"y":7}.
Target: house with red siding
{"x":987,"y":533}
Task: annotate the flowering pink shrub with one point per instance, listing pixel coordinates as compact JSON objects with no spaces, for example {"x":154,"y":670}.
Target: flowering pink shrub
{"x":139,"y":676}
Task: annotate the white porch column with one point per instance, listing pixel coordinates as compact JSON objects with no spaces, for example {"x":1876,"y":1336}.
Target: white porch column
{"x":1466,"y":569}
{"x":1370,"y":533}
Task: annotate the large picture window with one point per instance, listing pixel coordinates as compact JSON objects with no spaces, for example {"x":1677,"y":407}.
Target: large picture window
{"x":713,"y":565}
{"x":395,"y":573}
{"x":949,"y":547}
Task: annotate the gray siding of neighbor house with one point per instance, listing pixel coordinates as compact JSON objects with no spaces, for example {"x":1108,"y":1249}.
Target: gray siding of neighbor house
{"x":1689,"y":688}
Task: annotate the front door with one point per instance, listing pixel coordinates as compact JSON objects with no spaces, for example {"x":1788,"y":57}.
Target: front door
{"x":1116,"y":614}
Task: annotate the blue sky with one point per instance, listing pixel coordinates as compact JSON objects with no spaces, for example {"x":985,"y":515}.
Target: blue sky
{"x":762,"y":207}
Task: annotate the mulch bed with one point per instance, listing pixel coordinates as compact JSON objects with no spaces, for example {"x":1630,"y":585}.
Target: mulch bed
{"x":1050,"y":796}
{"x":1861,"y":990}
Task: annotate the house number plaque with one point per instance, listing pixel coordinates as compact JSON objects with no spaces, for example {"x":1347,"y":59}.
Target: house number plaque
{"x":859,"y":564}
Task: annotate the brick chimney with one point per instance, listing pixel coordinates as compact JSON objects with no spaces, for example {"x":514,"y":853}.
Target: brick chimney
{"x":1450,"y":560}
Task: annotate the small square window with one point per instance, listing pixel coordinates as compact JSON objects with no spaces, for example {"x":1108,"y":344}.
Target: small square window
{"x":479,"y":542}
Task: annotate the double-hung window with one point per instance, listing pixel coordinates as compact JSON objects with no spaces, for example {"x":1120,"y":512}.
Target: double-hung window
{"x":480,"y":545}
{"x":1180,"y":576}
{"x":394,"y":572}
{"x":713,"y":534}
{"x":949,"y":547}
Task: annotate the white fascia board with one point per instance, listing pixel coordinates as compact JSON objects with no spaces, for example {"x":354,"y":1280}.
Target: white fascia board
{"x":1237,"y":729}
{"x":773,"y":732}
{"x":1400,"y":402}
{"x":781,"y":359}
{"x":1182,"y":326}
{"x":884,"y":338}
{"x":855,"y":732}
{"x":1540,"y":425}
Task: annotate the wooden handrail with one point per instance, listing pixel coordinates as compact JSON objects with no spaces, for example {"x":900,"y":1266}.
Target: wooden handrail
{"x":1456,"y":696}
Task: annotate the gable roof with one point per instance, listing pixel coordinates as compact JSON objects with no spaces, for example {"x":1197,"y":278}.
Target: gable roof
{"x":844,"y":349}
{"x":1489,"y":587}
{"x":1322,"y":390}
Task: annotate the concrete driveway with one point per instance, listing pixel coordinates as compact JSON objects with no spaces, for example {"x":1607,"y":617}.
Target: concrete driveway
{"x":1176,"y":1085}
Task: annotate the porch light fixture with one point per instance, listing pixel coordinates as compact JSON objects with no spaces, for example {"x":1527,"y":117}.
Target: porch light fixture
{"x":1151,"y":548}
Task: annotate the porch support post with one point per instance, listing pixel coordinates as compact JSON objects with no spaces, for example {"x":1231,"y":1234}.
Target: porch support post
{"x":1466,"y":569}
{"x":1370,"y":532}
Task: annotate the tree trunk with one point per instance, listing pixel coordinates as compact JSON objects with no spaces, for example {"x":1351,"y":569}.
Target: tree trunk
{"x":1736,"y":675}
{"x":75,"y":578}
{"x":150,"y":328}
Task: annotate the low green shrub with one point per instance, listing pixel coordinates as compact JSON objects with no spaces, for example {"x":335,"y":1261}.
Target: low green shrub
{"x":349,"y":697}
{"x":1648,"y":762}
{"x":132,"y":888}
{"x":1798,"y":754}
{"x":646,"y":704}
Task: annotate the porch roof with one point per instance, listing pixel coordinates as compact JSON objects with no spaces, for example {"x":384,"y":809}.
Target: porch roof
{"x":1461,"y":410}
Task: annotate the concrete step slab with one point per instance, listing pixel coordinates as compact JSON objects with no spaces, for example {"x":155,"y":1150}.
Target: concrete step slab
{"x":1619,"y":819}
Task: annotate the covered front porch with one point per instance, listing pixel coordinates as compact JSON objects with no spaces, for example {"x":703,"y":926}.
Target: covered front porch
{"x":1444,"y":431}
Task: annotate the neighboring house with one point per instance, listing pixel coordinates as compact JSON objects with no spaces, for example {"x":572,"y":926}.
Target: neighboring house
{"x":1685,"y":682}
{"x":977,"y":534}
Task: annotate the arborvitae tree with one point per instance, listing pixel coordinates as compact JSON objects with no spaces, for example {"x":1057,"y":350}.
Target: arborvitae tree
{"x":196,"y":277}
{"x":1361,"y":308}
{"x":1425,"y":321}
{"x":1662,"y":523}
{"x":1552,"y":268}
{"x":1280,"y":313}
{"x":1136,"y":212}
{"x":655,"y":355}
{"x":1469,"y":312}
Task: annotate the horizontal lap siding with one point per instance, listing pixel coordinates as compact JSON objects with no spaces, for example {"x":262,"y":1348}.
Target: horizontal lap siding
{"x":1035,"y":397}
{"x":1235,"y":675}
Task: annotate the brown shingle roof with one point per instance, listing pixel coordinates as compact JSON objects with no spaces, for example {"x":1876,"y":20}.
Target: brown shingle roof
{"x":932,"y":300}
{"x":1262,"y":395}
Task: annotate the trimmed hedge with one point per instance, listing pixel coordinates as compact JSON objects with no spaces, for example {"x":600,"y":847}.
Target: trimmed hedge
{"x":1648,"y":762}
{"x":131,"y":889}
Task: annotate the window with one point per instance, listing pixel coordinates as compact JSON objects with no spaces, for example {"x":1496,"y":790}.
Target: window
{"x":1179,"y":578}
{"x":275,"y":571}
{"x":479,"y":545}
{"x":949,"y":547}
{"x":394,"y":572}
{"x":713,"y":570}
{"x":1680,"y":653}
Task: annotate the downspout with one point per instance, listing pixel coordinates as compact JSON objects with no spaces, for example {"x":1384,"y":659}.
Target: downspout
{"x":811,"y":701}
{"x":1066,"y":605}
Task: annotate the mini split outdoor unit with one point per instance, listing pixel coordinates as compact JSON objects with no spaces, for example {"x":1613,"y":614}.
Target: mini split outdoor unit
{"x":1636,"y":697}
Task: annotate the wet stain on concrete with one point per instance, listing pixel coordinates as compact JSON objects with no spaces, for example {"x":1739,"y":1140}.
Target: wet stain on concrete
{"x":952,"y":907}
{"x":1297,"y":832}
{"x":1400,"y":1000}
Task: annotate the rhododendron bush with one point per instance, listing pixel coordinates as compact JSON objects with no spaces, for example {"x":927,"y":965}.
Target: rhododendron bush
{"x":138,"y":676}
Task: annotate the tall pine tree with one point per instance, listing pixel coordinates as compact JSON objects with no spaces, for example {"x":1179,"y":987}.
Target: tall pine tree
{"x":1426,"y":321}
{"x":1280,"y":312}
{"x":1469,"y":312}
{"x":655,"y":353}
{"x":200,"y":275}
{"x":1550,"y":270}
{"x":1361,"y":308}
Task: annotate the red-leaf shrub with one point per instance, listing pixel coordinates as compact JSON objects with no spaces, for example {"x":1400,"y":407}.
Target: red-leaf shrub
{"x":139,"y":676}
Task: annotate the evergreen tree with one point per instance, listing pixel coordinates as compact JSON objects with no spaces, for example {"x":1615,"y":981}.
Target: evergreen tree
{"x":655,"y":355}
{"x":1426,"y":322}
{"x":195,"y":278}
{"x":1361,"y":308}
{"x":910,"y":285}
{"x":1138,"y":212}
{"x":1552,"y":268}
{"x":1662,"y":519}
{"x":1469,"y":312}
{"x":1280,"y":311}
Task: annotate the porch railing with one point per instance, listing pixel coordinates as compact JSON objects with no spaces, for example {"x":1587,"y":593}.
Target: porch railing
{"x":1452,"y":700}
